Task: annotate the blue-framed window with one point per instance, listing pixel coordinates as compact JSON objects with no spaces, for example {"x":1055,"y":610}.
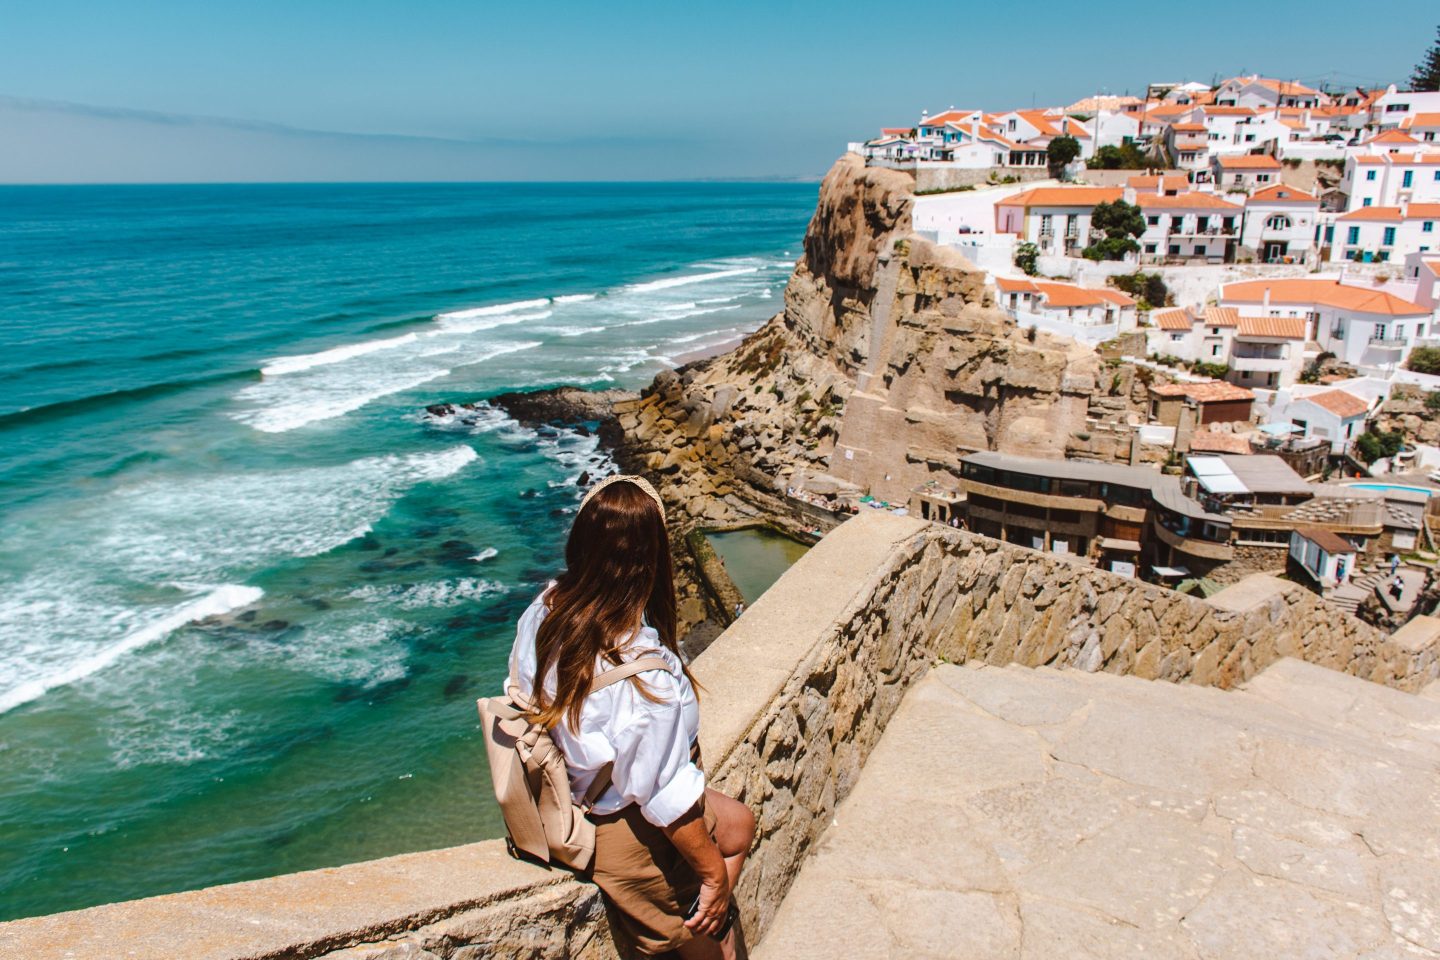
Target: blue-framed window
{"x":1369,"y":174}
{"x":1353,"y":236}
{"x":1389,"y":240}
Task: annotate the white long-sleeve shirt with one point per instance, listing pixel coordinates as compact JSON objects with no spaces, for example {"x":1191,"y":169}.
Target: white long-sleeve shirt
{"x":648,"y":743}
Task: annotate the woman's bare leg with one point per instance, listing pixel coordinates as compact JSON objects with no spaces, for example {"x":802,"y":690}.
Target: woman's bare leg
{"x":734,"y":831}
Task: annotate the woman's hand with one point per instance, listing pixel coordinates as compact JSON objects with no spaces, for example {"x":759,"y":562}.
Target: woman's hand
{"x":714,"y":905}
{"x":696,"y":845}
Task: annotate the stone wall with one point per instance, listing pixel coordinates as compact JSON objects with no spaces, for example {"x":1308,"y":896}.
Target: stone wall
{"x":947,"y":177}
{"x":796,"y":694}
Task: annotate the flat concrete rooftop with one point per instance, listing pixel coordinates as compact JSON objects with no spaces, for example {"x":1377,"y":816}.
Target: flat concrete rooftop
{"x":1034,"y":813}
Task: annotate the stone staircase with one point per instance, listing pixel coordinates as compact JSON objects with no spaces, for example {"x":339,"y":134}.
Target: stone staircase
{"x":1036,"y":813}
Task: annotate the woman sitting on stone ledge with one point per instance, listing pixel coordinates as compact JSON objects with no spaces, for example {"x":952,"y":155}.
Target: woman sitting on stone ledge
{"x":668,"y":851}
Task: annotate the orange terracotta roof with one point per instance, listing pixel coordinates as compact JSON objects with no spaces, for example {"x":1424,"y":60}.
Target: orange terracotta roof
{"x":1177,"y":319}
{"x":894,"y":131}
{"x":1214,"y":111}
{"x":1287,"y":328}
{"x":1115,"y":297}
{"x":1423,"y":211}
{"x":1281,"y":191}
{"x":1216,"y":441}
{"x":1063,"y":197}
{"x":1153,"y":181}
{"x":1372,"y":213}
{"x":1188,"y":127}
{"x":1222,"y":316}
{"x":1344,"y":405}
{"x":1392,"y":136}
{"x":1069,"y":295}
{"x":1283,"y":87}
{"x":1406,"y":159}
{"x":1421,"y":120}
{"x":1329,"y":293}
{"x":940,"y":119}
{"x":1038,"y":120}
{"x":1327,"y":540}
{"x":1249,"y":162}
{"x":1211,"y":391}
{"x":1014,"y":285}
{"x":1185,"y":201}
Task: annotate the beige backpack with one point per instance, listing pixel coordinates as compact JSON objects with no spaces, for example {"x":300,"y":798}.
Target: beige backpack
{"x":531,"y":782}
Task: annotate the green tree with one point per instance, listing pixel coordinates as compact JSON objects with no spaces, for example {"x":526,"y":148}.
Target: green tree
{"x":1121,"y":223}
{"x":1424,"y":360}
{"x":1059,"y":153}
{"x":1371,"y":446}
{"x":1127,"y":156}
{"x":1027,"y":256}
{"x":1427,"y":71}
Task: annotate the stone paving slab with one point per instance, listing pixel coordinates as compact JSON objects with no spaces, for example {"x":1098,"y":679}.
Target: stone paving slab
{"x":1018,"y":813}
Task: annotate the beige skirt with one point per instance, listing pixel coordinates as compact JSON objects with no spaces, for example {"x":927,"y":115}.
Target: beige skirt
{"x":648,"y":885}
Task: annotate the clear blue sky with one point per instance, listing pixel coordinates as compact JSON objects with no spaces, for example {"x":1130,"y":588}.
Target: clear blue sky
{"x":568,"y":90}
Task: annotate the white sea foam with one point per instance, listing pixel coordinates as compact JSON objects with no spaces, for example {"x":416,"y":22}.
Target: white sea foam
{"x":685,"y":281}
{"x":302,"y":405}
{"x":283,"y":365}
{"x":498,"y":309}
{"x":575,"y":298}
{"x":438,"y":593}
{"x":490,"y":322}
{"x":220,"y":600}
{"x":485,"y":554}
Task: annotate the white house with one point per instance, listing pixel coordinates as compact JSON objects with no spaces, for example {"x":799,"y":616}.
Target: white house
{"x":1390,"y":141}
{"x":1280,"y":224}
{"x":1193,"y":334}
{"x":1393,"y":106}
{"x":1383,"y":180}
{"x":1424,"y":127}
{"x":1386,"y":233}
{"x":1425,"y":271}
{"x":1260,"y":92}
{"x":1328,"y":558}
{"x":1267,"y":352}
{"x":1334,"y":414}
{"x":1362,"y":326}
{"x":1188,"y":145}
{"x":1188,"y":226}
{"x":1056,"y":219}
{"x":1091,"y":315}
{"x":1109,"y":128}
{"x":1243,"y":173}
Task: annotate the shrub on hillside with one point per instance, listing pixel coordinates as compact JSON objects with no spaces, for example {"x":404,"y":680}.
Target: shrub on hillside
{"x":1424,"y":360}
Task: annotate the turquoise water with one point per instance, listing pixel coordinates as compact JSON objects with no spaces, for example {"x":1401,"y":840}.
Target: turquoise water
{"x":755,"y":557}
{"x":248,"y":594}
{"x":1392,"y":486}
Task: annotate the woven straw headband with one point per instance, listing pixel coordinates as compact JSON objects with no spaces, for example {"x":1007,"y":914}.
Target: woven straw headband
{"x":640,"y":482}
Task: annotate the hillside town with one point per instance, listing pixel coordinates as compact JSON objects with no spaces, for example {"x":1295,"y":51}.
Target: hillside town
{"x":1257,"y":264}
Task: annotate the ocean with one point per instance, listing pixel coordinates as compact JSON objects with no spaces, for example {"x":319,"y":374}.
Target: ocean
{"x":248,"y":591}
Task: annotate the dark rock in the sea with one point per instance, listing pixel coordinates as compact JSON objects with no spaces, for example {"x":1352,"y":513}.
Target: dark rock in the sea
{"x":275,"y":626}
{"x":455,"y":686}
{"x":456,"y":550}
{"x":465,"y":621}
{"x":530,"y":493}
{"x":391,"y":551}
{"x":318,"y":603}
{"x":247,"y":616}
{"x":412,"y":565}
{"x":584,"y":411}
{"x":442,"y":513}
{"x":584,"y":479}
{"x":558,"y":512}
{"x":374,"y":566}
{"x":441,"y":409}
{"x":583,"y":429}
{"x":368,"y":543}
{"x":425,"y":533}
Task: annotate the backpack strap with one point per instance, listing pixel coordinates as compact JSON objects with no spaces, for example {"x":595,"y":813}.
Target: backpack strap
{"x":601,"y":783}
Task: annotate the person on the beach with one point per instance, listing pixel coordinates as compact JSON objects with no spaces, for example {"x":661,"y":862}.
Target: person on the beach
{"x":668,"y":850}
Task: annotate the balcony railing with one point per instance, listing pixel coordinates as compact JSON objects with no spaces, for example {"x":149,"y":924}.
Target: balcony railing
{"x":1389,"y":343}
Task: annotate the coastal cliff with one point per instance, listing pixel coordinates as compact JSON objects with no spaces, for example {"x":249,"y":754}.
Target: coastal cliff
{"x":888,"y":361}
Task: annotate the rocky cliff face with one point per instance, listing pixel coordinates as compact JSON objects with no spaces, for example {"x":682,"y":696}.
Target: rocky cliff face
{"x":888,"y":362}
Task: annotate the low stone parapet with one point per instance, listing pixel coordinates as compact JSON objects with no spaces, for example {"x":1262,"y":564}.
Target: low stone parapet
{"x":796,"y":694}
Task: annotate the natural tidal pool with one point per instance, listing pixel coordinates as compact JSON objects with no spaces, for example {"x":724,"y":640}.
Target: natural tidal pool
{"x":755,"y":557}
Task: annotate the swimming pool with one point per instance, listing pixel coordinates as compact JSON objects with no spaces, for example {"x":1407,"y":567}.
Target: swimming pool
{"x":1394,"y":486}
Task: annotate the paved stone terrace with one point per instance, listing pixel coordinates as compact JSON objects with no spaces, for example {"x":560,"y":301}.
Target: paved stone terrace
{"x":1035,"y":813}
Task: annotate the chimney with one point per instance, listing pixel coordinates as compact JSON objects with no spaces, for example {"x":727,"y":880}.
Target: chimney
{"x":1266,"y":302}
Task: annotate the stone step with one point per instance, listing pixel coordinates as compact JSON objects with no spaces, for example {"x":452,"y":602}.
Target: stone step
{"x":1055,"y":812}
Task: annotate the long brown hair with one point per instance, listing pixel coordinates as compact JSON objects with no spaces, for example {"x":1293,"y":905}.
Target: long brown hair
{"x":617,"y":571}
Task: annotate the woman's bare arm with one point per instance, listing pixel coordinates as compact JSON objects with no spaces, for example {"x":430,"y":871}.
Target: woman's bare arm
{"x":695,"y":844}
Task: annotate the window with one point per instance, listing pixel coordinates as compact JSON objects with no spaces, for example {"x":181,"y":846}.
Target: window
{"x":1177,"y":337}
{"x":1366,"y":202}
{"x":1437,"y":176}
{"x":1389,"y":240}
{"x":1428,"y":226}
{"x":1153,"y":220}
{"x":1369,"y":174}
{"x":1215,"y":350}
{"x":1263,"y":178}
{"x":1408,"y":179}
{"x":1353,"y":235}
{"x":1278,"y":222}
{"x":1149,"y":248}
{"x":1174,"y":249}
